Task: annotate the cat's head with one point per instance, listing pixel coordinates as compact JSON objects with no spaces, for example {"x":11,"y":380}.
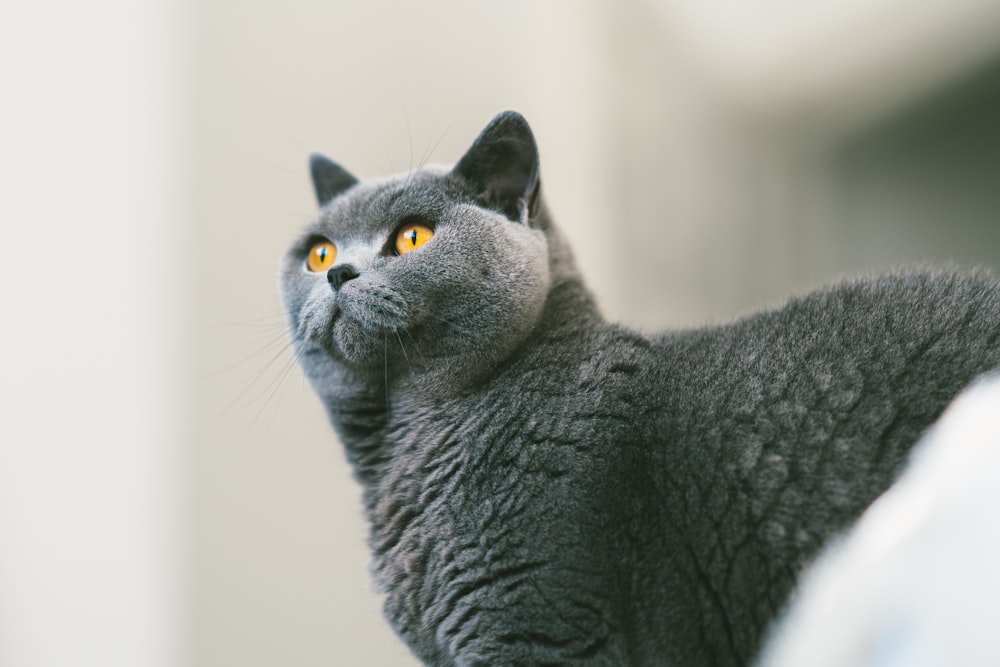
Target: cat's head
{"x":440,"y":272}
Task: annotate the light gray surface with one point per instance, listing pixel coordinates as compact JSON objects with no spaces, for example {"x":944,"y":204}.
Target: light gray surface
{"x":914,"y":582}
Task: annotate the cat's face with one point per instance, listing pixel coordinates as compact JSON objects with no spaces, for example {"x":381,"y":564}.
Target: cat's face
{"x":423,"y":272}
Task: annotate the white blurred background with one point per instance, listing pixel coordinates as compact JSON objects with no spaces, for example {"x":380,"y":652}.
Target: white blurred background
{"x":170,"y":493}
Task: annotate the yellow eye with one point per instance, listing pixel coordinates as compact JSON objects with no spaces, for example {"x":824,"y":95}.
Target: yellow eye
{"x":321,"y":256}
{"x":412,"y":236}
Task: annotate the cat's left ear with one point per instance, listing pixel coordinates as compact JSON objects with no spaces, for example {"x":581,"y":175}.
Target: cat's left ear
{"x":502,"y":167}
{"x":329,"y":178}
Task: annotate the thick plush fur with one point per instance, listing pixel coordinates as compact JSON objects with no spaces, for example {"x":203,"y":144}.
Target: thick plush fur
{"x":546,"y":488}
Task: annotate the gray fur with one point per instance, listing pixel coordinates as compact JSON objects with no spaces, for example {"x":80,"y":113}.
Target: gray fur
{"x":545,"y":487}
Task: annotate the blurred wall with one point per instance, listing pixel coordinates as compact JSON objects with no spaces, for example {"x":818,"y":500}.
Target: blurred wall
{"x":767,"y":149}
{"x":93,"y":221}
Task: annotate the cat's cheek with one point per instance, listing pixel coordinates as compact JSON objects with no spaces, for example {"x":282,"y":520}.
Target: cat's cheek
{"x":534,"y":282}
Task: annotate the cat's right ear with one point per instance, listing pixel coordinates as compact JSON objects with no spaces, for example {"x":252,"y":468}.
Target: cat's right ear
{"x":329,"y":178}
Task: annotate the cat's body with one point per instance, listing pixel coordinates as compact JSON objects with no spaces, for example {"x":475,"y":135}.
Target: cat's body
{"x":547,"y":488}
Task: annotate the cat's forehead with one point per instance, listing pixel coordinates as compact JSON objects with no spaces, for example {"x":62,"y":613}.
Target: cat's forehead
{"x":369,"y":208}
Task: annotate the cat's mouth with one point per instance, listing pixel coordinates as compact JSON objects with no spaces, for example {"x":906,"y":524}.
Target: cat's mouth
{"x":318,"y":326}
{"x":337,"y":336}
{"x":355,"y":340}
{"x":335,"y":315}
{"x":360,"y":327}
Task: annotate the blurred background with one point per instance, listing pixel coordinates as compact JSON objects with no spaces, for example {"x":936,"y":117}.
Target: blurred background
{"x":170,"y":492}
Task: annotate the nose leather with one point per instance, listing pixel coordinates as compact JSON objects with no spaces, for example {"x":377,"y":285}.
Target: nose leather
{"x":339,"y":275}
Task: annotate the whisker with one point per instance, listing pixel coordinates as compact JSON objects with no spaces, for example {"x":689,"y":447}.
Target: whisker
{"x":276,"y":316}
{"x":409,"y":135}
{"x":251,"y":383}
{"x":385,"y":367}
{"x":410,"y":336}
{"x":457,"y":327}
{"x":392,"y":167}
{"x":284,"y":369}
{"x":278,"y":384}
{"x":270,"y":344}
{"x":429,"y":153}
{"x":405,"y":355}
{"x":264,"y":326}
{"x":277,"y":406}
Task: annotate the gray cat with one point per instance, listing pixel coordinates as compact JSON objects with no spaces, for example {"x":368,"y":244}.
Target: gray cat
{"x":546,"y":488}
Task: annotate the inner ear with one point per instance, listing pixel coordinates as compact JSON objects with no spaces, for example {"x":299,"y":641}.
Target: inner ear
{"x":501,"y":166}
{"x":329,"y":178}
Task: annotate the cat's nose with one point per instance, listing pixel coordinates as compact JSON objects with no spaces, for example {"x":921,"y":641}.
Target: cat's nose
{"x":339,"y":275}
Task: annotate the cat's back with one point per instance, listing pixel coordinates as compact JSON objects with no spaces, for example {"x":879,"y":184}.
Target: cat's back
{"x":884,"y":331}
{"x":783,"y":426}
{"x":834,"y":386}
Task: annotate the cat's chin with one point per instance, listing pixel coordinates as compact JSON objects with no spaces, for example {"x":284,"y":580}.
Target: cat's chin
{"x":353,"y":347}
{"x":346,"y":341}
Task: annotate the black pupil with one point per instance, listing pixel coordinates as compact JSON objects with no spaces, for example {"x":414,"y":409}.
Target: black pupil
{"x":412,"y":235}
{"x":322,"y":255}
